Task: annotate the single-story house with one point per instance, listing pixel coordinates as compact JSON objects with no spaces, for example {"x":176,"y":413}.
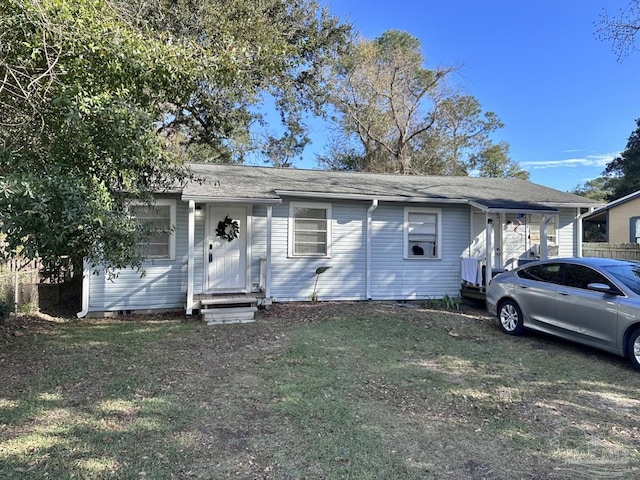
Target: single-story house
{"x":621,"y":217}
{"x":244,"y":236}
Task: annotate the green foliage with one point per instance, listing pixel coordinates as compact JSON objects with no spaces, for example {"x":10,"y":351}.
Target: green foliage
{"x":444,"y":303}
{"x":624,"y":170}
{"x":102,"y":99}
{"x":494,"y":161}
{"x":597,"y":189}
{"x":5,"y":311}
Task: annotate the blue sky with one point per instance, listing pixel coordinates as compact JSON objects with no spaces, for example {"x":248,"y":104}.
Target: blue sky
{"x":567,"y":103}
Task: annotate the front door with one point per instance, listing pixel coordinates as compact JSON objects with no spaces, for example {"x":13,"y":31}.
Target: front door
{"x":226,"y":258}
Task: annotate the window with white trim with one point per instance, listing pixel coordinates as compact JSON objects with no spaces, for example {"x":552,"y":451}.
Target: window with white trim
{"x":422,"y":233}
{"x":161,"y":216}
{"x":309,"y":230}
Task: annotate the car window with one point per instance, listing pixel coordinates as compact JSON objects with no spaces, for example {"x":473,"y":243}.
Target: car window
{"x":548,"y":272}
{"x":629,"y":275}
{"x":579,"y":276}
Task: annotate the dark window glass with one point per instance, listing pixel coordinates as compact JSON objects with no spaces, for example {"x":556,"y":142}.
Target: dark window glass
{"x":579,"y":276}
{"x":549,"y":273}
{"x":629,"y":275}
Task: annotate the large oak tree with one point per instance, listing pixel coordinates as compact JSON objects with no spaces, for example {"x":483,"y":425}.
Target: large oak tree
{"x":105,"y":98}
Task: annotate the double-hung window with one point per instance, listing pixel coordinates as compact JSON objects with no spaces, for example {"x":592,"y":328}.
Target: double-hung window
{"x":422,"y":233}
{"x":160,"y":217}
{"x":309,"y":230}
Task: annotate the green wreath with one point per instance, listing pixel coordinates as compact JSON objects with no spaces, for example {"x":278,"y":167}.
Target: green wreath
{"x":228,"y":229}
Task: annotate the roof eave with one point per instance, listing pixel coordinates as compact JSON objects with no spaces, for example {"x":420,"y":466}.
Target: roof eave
{"x":252,"y":200}
{"x":369,"y":197}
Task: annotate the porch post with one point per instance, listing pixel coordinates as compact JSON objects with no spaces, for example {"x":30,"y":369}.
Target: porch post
{"x":267,"y":289}
{"x":544,"y":247}
{"x":489,"y":252}
{"x":190,"y":255}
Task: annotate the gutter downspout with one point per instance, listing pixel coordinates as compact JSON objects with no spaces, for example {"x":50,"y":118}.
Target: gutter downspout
{"x":86,"y":284}
{"x":190,"y":255}
{"x":374,"y":205}
{"x":580,"y":229}
{"x":489,"y":248}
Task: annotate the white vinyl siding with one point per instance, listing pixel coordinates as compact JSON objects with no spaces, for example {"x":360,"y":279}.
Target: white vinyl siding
{"x":395,"y":277}
{"x":567,"y":241}
{"x":163,"y":286}
{"x":293,"y":277}
{"x":422,"y":233}
{"x":309,"y":230}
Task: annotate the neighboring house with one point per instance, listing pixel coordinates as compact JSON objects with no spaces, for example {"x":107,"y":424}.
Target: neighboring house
{"x":385,"y":237}
{"x":621,"y":217}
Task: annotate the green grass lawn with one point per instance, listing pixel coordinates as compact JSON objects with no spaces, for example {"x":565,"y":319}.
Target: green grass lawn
{"x":313,"y":391}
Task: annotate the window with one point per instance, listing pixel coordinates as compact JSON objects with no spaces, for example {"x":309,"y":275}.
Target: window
{"x":579,"y":276}
{"x":534,"y":229}
{"x":422,"y":233}
{"x":309,"y":230}
{"x":634,"y":230}
{"x":549,"y":273}
{"x":161,"y":217}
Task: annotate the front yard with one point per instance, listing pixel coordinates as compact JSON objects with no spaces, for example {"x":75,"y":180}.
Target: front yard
{"x":311,"y":391}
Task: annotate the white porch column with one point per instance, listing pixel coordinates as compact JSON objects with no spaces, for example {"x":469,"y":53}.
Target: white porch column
{"x":489,"y":247}
{"x":190,"y":255}
{"x":267,"y":289}
{"x":544,"y":245}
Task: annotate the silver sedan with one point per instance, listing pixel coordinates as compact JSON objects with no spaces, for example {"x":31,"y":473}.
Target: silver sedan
{"x":593,"y":301}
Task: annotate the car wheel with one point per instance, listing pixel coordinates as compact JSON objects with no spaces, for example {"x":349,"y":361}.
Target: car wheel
{"x":510,"y":317}
{"x":634,"y":349}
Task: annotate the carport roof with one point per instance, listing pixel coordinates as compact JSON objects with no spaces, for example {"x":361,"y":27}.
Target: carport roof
{"x":233,"y":183}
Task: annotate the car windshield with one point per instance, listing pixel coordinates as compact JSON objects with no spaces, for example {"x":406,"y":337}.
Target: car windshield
{"x":629,"y":275}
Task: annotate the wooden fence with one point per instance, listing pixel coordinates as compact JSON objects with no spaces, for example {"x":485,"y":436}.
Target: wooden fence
{"x":629,"y":251}
{"x":19,"y":279}
{"x":25,"y":286}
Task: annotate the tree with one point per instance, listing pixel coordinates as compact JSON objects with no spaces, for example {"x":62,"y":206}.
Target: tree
{"x":394,"y":115}
{"x":105,"y":98}
{"x":624,"y":171}
{"x":274,"y":51}
{"x":494,"y":161}
{"x":597,"y":189}
{"x":621,"y":30}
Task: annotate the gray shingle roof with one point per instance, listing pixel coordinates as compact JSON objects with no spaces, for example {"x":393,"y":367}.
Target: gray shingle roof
{"x":269,"y":184}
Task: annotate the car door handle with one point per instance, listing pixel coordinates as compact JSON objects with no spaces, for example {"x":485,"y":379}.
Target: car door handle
{"x":564,"y":293}
{"x":523,"y":286}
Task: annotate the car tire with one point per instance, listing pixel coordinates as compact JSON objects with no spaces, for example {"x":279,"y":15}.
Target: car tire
{"x":633,"y":349}
{"x":510,"y":318}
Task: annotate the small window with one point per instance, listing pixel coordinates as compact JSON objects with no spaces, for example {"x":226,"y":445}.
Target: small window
{"x":161,"y":218}
{"x":634,"y":230}
{"x":309,"y":230}
{"x":549,"y":273}
{"x":421,"y":233}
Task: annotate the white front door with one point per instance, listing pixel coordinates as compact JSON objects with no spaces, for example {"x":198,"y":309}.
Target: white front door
{"x":226,"y":260}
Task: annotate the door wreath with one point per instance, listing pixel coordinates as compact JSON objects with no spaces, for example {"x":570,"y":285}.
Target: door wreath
{"x":228,"y":229}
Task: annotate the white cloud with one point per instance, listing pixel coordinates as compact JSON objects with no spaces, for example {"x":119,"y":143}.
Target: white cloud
{"x":587,"y":161}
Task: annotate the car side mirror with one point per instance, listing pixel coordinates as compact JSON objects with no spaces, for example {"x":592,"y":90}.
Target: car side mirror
{"x":601,"y":287}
